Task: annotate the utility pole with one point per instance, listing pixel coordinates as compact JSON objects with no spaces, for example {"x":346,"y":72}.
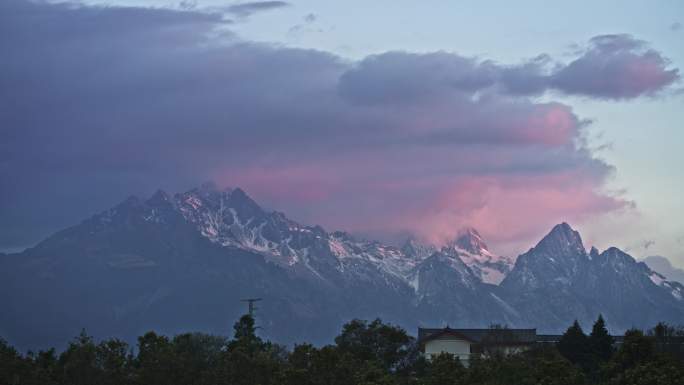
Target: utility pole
{"x":251,"y":306}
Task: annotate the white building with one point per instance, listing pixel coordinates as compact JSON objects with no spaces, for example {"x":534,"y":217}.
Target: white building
{"x":466,"y":343}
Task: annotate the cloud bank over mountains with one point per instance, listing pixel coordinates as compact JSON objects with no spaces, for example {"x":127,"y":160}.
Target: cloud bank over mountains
{"x":102,"y":101}
{"x":610,"y":66}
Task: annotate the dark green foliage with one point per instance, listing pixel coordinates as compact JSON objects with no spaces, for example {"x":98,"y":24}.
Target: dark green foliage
{"x":194,"y":355}
{"x":12,"y":366}
{"x":537,"y":366}
{"x":247,"y":359}
{"x":636,"y":349}
{"x":661,"y":330}
{"x":376,"y":341}
{"x":639,"y":362}
{"x":669,"y":339}
{"x":45,"y":367}
{"x":114,"y":361}
{"x":79,"y":361}
{"x":245,"y":329}
{"x":154,"y":364}
{"x":444,"y":369}
{"x":365,"y":353}
{"x":661,"y":371}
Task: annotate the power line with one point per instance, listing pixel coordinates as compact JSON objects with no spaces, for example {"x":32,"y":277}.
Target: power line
{"x":251,"y":306}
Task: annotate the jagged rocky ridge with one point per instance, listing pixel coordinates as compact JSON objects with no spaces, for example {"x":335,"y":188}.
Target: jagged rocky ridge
{"x":182,"y":262}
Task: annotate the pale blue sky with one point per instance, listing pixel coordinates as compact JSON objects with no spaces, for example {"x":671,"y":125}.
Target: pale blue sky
{"x":645,"y":136}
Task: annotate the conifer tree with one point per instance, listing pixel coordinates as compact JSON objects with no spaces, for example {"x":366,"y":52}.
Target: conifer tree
{"x":245,"y":336}
{"x":600,"y":341}
{"x":244,"y":328}
{"x":573,"y":345}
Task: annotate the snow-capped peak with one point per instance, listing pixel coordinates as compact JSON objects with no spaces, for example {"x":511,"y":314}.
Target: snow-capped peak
{"x":473,"y":251}
{"x":470,"y":240}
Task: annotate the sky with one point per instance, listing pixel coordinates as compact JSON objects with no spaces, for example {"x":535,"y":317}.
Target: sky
{"x":388,"y":119}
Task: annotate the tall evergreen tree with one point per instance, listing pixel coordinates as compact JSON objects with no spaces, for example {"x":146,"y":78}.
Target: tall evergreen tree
{"x":573,"y":345}
{"x":79,"y":361}
{"x":244,"y":328}
{"x":600,"y":341}
{"x":245,"y":336}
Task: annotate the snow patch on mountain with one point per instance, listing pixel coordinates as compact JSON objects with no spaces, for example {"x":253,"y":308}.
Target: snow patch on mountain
{"x":505,"y":305}
{"x":657,"y":278}
{"x":473,"y":251}
{"x":675,"y":288}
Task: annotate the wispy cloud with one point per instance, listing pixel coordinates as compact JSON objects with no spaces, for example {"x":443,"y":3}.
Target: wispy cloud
{"x":306,"y":25}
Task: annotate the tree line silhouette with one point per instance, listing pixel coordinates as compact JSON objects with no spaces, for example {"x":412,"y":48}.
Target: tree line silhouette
{"x":363,"y":353}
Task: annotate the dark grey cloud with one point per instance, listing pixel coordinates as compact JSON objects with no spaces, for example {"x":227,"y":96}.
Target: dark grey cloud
{"x":611,"y":67}
{"x":616,"y":67}
{"x":102,"y":102}
{"x":408,"y":78}
{"x":250,"y":8}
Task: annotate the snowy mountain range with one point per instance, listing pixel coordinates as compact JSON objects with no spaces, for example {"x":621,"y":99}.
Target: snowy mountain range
{"x":229,"y":218}
{"x":183,"y":262}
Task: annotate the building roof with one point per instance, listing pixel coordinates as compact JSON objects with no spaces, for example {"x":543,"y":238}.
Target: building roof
{"x":548,"y":338}
{"x":554,"y":338}
{"x":494,"y":336}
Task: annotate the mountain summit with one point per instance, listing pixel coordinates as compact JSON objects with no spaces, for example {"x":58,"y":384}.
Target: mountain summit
{"x":473,"y":250}
{"x":562,"y":240}
{"x":470,"y":240}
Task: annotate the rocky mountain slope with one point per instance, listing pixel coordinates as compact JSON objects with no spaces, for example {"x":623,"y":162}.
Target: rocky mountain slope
{"x":559,"y":280}
{"x":183,"y":262}
{"x":663,"y":266}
